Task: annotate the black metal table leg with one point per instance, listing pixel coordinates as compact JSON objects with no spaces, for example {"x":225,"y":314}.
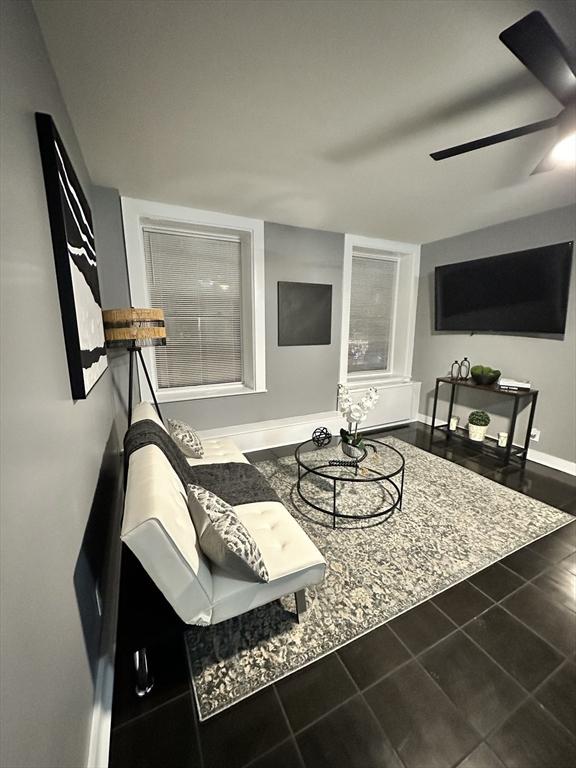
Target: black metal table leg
{"x":450,"y":408}
{"x":434,"y":410}
{"x":529,"y":428}
{"x":512,"y":430}
{"x":334,"y":506}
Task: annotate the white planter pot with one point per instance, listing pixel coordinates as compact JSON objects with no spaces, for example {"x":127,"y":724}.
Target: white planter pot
{"x":477,"y":433}
{"x":352,"y":450}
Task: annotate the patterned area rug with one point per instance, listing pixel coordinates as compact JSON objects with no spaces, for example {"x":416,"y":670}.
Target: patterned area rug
{"x":453,"y":523}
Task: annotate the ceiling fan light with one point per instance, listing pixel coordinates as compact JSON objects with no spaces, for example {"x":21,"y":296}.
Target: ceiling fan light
{"x":564,"y":153}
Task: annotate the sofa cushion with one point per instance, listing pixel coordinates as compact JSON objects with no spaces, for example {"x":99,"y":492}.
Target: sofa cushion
{"x":223,"y":538}
{"x":292,"y":560}
{"x":158,"y":529}
{"x":219,"y":450}
{"x":186,"y":438}
{"x":285,"y":546}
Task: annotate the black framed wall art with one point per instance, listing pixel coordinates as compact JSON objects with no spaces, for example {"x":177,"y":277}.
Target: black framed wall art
{"x":75,"y":258}
{"x":304,"y":314}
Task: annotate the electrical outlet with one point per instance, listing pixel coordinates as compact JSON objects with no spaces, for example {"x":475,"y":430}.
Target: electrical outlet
{"x":535,"y":435}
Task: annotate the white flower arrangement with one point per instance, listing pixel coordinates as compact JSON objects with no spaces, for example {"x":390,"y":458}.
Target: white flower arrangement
{"x":354,"y":413}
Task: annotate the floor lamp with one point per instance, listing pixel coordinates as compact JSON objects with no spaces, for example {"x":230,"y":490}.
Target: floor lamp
{"x":133,"y":329}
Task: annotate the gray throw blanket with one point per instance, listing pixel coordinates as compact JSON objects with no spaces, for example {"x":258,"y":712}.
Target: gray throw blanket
{"x":234,"y":482}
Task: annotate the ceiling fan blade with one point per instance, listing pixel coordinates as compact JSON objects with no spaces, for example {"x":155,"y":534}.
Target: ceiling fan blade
{"x":536,"y":44}
{"x":470,"y":146}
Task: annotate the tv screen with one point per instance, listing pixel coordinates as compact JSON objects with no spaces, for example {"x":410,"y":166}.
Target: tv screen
{"x":524,"y":292}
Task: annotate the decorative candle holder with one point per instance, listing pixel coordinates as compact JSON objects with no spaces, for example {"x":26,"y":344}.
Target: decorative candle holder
{"x":453,"y":426}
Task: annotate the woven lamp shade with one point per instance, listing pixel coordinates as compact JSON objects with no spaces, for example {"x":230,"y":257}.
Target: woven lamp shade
{"x":132,"y":327}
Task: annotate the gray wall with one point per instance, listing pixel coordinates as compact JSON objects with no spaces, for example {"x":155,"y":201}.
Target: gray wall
{"x":52,"y":447}
{"x":549,"y":364}
{"x":114,"y":287}
{"x":299,"y":380}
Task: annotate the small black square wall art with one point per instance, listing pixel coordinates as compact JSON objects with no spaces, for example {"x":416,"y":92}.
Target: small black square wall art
{"x":304,"y":314}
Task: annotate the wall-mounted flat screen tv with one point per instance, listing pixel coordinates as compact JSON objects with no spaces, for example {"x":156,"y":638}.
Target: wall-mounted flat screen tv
{"x":524,"y":292}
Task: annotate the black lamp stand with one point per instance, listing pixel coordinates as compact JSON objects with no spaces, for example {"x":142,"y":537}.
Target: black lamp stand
{"x":136,"y":349}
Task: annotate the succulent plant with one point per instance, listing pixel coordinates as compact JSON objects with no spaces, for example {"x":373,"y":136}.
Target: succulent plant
{"x":484,"y":370}
{"x":483,"y":374}
{"x":479,"y":418}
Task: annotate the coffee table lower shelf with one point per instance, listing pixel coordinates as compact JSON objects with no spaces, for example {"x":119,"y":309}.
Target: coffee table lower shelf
{"x":393,"y":483}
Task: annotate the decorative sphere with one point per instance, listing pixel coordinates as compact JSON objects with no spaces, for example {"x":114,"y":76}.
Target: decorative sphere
{"x":321,"y":437}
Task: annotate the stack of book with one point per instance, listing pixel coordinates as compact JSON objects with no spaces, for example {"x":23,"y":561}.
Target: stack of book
{"x":513,"y":385}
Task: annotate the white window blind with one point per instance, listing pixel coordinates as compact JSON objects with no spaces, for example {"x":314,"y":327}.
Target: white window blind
{"x":371,"y":313}
{"x":196,"y":278}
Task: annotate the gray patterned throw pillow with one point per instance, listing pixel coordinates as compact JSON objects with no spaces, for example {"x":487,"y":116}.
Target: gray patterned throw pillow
{"x":223,"y":538}
{"x":185,"y":438}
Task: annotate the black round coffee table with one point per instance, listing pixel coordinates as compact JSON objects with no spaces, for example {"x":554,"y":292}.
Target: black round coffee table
{"x":382,"y":464}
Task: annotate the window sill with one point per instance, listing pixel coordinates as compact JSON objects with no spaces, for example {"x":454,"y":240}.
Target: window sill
{"x":379,"y":381}
{"x":206,"y":393}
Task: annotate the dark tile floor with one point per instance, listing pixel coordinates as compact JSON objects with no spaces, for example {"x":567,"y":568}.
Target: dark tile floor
{"x":481,"y":676}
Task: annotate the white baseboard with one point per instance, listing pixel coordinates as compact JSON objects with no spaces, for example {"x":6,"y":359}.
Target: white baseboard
{"x":271,"y":434}
{"x":546,"y":459}
{"x":552,"y":461}
{"x":424,"y":419}
{"x":102,"y":715}
{"x":274,"y":433}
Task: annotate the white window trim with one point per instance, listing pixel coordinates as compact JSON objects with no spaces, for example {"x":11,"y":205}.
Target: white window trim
{"x":134,"y":214}
{"x":407,"y":255}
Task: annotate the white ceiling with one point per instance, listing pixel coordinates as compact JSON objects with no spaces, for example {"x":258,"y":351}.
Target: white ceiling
{"x":317,"y":113}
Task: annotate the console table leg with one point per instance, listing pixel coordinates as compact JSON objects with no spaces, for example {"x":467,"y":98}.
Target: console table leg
{"x":451,"y":408}
{"x":434,"y":411}
{"x":512,"y":430}
{"x":529,"y":428}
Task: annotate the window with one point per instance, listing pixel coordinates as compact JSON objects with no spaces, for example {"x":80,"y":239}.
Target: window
{"x":205,"y":270}
{"x":379,"y":309}
{"x":372,"y":311}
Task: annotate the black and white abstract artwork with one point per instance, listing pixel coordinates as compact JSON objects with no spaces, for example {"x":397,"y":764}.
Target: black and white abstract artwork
{"x":75,"y":257}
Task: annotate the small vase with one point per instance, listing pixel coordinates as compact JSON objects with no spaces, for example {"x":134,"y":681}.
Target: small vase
{"x":354,"y":451}
{"x":476,"y":432}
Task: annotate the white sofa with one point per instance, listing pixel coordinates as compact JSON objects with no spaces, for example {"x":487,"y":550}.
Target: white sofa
{"x":157,"y":527}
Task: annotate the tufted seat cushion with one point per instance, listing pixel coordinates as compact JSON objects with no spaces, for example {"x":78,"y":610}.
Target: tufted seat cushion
{"x":292,"y":560}
{"x":219,"y":450}
{"x":284,"y":546}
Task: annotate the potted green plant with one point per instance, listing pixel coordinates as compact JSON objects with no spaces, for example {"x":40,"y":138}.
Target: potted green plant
{"x":477,"y":425}
{"x":484,"y":374}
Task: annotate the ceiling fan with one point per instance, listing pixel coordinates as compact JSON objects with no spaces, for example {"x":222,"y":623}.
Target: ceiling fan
{"x":534,"y":42}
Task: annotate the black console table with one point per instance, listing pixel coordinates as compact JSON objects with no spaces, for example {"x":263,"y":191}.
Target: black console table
{"x":511,"y":452}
